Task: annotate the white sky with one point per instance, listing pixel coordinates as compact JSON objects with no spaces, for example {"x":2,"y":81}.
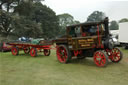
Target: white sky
{"x":81,"y":9}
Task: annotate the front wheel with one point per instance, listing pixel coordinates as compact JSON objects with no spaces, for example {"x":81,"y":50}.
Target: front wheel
{"x":63,"y":54}
{"x":116,"y":55}
{"x":100,"y":58}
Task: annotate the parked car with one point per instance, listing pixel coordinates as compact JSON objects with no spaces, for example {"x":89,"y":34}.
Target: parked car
{"x":5,"y":47}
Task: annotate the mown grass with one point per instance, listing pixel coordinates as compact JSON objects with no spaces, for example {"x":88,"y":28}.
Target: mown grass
{"x":46,"y":70}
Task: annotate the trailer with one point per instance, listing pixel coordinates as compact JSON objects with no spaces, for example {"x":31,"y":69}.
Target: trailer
{"x":123,"y":29}
{"x":31,"y":49}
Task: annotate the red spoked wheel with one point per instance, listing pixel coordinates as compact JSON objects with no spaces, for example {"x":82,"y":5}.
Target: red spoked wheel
{"x":63,"y":54}
{"x":47,"y":52}
{"x":15,"y":51}
{"x":100,"y":58}
{"x":26,"y":50}
{"x":116,"y":55}
{"x":33,"y":52}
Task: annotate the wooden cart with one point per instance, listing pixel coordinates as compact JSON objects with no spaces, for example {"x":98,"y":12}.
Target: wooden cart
{"x":31,"y":49}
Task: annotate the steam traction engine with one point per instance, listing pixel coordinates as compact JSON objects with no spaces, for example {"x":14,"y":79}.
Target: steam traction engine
{"x":87,"y":40}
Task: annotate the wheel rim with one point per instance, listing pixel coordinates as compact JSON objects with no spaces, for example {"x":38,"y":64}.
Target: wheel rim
{"x":116,"y":54}
{"x":33,"y":52}
{"x":99,"y":59}
{"x":46,"y":52}
{"x":14,"y":51}
{"x":61,"y":54}
{"x":26,"y":50}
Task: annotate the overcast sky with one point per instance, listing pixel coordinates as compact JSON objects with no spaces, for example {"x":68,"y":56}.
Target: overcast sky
{"x":81,"y":9}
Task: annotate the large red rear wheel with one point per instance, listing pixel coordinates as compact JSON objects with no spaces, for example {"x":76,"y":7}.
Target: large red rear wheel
{"x":63,"y":54}
{"x":100,"y":58}
{"x":15,"y":51}
{"x":26,"y":50}
{"x":116,"y":55}
{"x":47,"y":52}
{"x":33,"y":52}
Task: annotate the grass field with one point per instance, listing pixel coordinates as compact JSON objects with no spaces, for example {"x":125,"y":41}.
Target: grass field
{"x":46,"y":70}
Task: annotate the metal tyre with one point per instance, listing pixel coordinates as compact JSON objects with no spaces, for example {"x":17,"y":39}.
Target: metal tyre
{"x":63,"y":54}
{"x":116,"y":55}
{"x":100,"y":58}
{"x":15,"y":51}
{"x":33,"y":52}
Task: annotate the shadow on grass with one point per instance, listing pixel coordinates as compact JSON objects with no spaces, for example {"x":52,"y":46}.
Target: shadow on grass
{"x":87,"y":61}
{"x":29,"y":56}
{"x":90,"y":62}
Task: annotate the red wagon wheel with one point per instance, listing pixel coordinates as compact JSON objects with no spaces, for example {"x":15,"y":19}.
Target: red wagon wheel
{"x":15,"y":51}
{"x":47,"y":52}
{"x":100,"y":58}
{"x":63,"y":54}
{"x":26,"y":50}
{"x":33,"y":52}
{"x":116,"y":55}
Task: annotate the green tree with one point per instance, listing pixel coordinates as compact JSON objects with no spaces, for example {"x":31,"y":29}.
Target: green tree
{"x":123,"y":20}
{"x":114,"y":25}
{"x":65,"y":20}
{"x":8,"y":5}
{"x":48,"y":19}
{"x":5,"y":23}
{"x":31,"y":19}
{"x":6,"y":17}
{"x":26,"y":27}
{"x":40,"y":16}
{"x":24,"y":8}
{"x":76,"y":22}
{"x":96,"y":16}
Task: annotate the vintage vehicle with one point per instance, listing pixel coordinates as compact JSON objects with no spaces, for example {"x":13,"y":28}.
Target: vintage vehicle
{"x":5,"y":47}
{"x":90,"y":39}
{"x":32,"y":48}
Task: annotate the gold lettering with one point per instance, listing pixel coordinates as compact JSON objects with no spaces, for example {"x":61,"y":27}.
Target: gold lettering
{"x":90,"y":40}
{"x":85,"y":45}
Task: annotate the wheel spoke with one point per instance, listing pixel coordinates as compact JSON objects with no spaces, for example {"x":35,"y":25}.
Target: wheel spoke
{"x":100,"y":58}
{"x":14,"y":51}
{"x":62,"y":54}
{"x":116,"y":55}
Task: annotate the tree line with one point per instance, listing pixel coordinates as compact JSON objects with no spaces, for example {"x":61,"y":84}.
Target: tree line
{"x":30,"y":18}
{"x":98,"y":16}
